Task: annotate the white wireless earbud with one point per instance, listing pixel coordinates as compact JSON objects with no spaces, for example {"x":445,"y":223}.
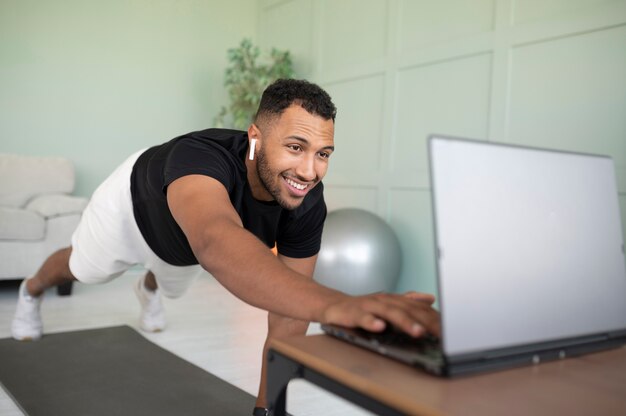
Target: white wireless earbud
{"x":252,"y":147}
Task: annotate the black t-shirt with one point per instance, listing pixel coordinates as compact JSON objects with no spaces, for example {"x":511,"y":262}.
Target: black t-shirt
{"x":219,"y":154}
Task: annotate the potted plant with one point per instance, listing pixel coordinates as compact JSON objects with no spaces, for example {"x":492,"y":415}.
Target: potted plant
{"x":246,"y":79}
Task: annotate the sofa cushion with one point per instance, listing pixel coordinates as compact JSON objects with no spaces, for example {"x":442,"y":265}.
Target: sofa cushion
{"x":20,"y":224}
{"x":55,"y":205}
{"x":22,"y":177}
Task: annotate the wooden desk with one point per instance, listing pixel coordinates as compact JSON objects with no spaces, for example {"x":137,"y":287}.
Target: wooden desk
{"x":593,"y":384}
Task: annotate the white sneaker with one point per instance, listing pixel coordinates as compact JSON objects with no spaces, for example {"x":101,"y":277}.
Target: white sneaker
{"x":152,"y":317}
{"x":27,"y":325}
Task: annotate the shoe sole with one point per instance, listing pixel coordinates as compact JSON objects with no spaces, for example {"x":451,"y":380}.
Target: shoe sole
{"x":152,"y":330}
{"x":27,"y":339}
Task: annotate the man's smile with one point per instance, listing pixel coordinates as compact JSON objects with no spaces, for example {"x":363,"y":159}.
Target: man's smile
{"x":296,"y":188}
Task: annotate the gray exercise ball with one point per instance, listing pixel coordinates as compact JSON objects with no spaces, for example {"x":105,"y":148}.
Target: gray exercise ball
{"x":360,"y":253}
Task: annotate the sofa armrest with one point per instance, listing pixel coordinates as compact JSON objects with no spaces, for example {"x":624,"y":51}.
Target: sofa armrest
{"x":24,"y":177}
{"x":20,"y":224}
{"x":56,"y":204}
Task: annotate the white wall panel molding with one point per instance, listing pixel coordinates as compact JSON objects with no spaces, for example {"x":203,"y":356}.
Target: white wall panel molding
{"x":607,"y":16}
{"x":534,"y":11}
{"x":368,"y":179}
{"x":359,"y":135}
{"x":569,"y":93}
{"x":448,"y":97}
{"x":460,"y":48}
{"x":294,"y":17}
{"x":410,"y":185}
{"x":266,"y":4}
{"x":389,"y":107}
{"x":363,"y":197}
{"x":410,"y":216}
{"x":500,"y":72}
{"x":353,"y":32}
{"x":346,"y":74}
{"x":547,"y":73}
{"x":351,"y":186}
{"x":425,"y":23}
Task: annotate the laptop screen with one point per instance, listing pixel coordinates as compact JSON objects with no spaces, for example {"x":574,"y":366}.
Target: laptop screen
{"x":529,"y":244}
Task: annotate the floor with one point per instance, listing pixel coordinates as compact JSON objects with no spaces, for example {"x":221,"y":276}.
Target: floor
{"x":207,"y":326}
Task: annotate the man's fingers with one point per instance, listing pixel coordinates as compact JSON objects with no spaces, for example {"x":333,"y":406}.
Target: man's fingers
{"x":422,"y":297}
{"x":374,"y":312}
{"x":405,"y":314}
{"x":412,"y":317}
{"x":372,"y":323}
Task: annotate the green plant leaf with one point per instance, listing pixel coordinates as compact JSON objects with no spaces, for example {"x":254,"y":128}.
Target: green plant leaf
{"x":245,"y":80}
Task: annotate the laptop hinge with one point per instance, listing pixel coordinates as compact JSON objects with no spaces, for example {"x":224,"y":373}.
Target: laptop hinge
{"x":617,"y":334}
{"x":538,"y":347}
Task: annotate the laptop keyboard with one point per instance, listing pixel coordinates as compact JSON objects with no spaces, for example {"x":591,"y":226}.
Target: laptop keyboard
{"x":427,"y":344}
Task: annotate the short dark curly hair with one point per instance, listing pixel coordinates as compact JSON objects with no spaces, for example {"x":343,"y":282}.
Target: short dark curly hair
{"x":285,"y":92}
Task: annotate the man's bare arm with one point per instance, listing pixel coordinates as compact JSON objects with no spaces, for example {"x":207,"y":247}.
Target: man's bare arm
{"x":236,"y":258}
{"x":244,"y":265}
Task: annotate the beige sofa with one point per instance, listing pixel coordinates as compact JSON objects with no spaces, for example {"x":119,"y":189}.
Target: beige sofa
{"x":37,"y":213}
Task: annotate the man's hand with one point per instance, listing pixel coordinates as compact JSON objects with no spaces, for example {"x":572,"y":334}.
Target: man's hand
{"x":411,"y":313}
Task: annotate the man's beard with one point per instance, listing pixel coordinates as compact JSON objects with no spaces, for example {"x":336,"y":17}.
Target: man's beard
{"x":268,"y":180}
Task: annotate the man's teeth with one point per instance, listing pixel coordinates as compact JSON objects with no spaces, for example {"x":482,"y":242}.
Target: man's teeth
{"x":296,"y":185}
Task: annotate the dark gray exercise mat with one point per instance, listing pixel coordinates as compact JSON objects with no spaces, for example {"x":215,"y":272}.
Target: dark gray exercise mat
{"x":111,"y":371}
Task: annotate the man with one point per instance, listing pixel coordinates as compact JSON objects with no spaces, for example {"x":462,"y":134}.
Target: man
{"x":216,"y":200}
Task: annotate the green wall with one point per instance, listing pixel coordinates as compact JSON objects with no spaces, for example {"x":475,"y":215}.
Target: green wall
{"x":549,"y":73}
{"x":96,"y":80}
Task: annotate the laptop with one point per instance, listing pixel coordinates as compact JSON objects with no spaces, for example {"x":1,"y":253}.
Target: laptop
{"x":530,"y":259}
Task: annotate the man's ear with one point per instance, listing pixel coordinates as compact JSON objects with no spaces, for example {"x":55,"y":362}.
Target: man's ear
{"x":254,"y":135}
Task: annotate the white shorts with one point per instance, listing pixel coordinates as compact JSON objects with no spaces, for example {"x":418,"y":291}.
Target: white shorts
{"x":108,"y":242}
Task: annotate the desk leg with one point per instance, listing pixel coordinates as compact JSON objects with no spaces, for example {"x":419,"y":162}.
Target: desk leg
{"x":280,"y":371}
